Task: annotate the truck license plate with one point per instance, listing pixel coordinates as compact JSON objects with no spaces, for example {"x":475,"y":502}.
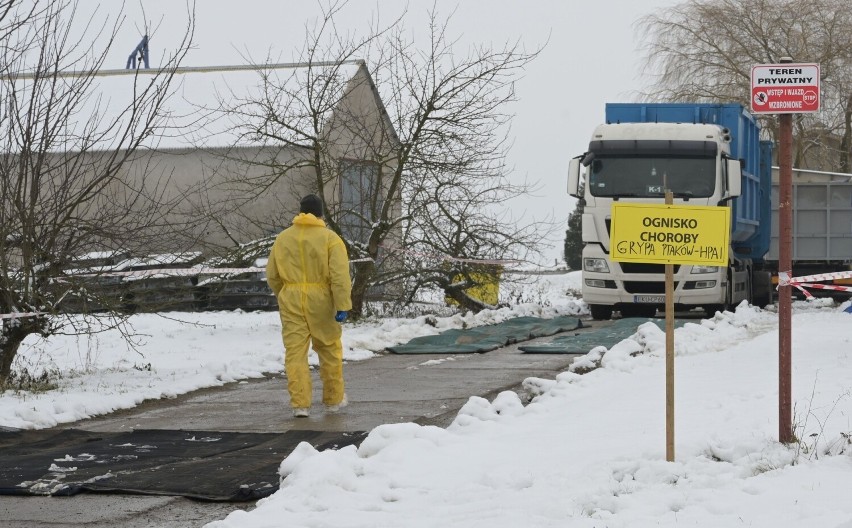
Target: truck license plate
{"x":655,"y":299}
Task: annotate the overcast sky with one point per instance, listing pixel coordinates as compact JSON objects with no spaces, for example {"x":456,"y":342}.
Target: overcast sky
{"x":592,"y":57}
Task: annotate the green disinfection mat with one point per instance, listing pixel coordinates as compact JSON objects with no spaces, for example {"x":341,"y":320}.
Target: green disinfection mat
{"x":486,"y":338}
{"x":582,"y":342}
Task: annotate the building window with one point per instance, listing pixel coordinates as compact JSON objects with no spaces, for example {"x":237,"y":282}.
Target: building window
{"x":358,"y":182}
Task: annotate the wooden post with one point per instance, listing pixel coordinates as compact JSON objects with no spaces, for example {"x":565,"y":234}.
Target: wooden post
{"x":670,"y":448}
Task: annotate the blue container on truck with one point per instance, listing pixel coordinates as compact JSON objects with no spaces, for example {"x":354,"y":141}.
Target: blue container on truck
{"x":751,"y":211}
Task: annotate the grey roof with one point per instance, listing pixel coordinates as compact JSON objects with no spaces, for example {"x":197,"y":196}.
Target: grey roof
{"x":197,"y":94}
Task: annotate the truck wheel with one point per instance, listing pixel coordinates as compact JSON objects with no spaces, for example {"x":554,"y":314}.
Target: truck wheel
{"x":600,"y":312}
{"x":762,"y":288}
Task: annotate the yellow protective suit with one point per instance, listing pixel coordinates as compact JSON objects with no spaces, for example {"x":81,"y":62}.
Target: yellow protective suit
{"x":308,"y":270}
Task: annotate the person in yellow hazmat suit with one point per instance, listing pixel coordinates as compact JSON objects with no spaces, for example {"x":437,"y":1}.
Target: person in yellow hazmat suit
{"x":308,"y":270}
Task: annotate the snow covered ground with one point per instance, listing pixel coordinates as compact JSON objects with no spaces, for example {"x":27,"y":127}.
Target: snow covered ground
{"x":587,"y":451}
{"x":175,"y":353}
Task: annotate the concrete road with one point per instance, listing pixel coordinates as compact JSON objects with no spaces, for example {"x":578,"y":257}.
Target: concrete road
{"x":427,"y":389}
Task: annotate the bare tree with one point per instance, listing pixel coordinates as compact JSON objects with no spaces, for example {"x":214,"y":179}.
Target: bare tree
{"x":64,"y":151}
{"x":456,"y":240}
{"x":704,"y":51}
{"x":285,"y":135}
{"x":450,"y":109}
{"x":408,"y":150}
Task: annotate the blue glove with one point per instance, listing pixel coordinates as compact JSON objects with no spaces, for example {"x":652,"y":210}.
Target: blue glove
{"x":341,"y":316}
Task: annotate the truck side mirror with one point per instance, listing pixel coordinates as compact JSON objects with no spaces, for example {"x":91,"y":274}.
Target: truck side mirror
{"x":574,"y":177}
{"x":735,"y":177}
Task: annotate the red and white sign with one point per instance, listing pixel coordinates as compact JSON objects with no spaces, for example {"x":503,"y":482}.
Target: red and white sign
{"x":784,"y":88}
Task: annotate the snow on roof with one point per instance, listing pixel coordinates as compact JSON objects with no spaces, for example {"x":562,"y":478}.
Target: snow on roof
{"x":164,"y":259}
{"x":104,"y":262}
{"x":100,"y":255}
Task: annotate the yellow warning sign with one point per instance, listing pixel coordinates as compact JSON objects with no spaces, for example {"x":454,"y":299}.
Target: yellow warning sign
{"x":670,"y":234}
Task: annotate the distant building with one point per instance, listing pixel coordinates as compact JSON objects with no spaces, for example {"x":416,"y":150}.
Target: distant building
{"x":236,"y":150}
{"x":227,"y":187}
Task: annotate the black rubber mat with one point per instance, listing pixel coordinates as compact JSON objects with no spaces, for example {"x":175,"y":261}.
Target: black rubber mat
{"x":489,"y":337}
{"x":204,"y":465}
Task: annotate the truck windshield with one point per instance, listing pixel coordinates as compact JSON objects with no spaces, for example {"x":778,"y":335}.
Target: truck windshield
{"x":649,"y":177}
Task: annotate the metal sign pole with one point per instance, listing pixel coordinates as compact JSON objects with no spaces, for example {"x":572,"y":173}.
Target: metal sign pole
{"x":785,"y":264}
{"x":785,"y":89}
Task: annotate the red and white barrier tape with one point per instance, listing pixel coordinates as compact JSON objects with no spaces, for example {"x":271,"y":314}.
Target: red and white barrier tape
{"x":821,"y":276}
{"x":800,"y":286}
{"x":800,"y":283}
